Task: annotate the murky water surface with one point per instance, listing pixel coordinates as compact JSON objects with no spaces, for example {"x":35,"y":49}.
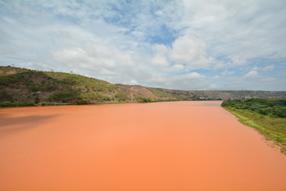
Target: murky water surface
{"x":178,"y":146}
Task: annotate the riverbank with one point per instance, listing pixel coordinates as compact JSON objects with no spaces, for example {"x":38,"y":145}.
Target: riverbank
{"x":266,"y":116}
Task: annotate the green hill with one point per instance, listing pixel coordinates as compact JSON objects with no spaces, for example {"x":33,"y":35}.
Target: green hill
{"x":20,"y":87}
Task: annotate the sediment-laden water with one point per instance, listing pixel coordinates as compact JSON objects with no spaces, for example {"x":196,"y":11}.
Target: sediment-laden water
{"x":177,"y":146}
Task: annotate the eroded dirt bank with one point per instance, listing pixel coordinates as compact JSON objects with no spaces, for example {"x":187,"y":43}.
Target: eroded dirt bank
{"x":158,"y":146}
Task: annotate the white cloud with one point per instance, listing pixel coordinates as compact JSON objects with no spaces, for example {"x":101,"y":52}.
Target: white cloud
{"x":240,"y":30}
{"x":159,"y":60}
{"x":160,"y":56}
{"x":195,"y":75}
{"x":254,"y":72}
{"x":122,"y":42}
{"x":267,"y":68}
{"x":133,"y":82}
{"x":188,"y":50}
{"x":251,"y":74}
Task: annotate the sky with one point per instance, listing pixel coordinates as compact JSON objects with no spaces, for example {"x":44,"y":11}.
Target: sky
{"x":176,"y":44}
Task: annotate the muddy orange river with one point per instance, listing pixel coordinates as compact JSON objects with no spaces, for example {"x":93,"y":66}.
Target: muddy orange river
{"x":176,"y":146}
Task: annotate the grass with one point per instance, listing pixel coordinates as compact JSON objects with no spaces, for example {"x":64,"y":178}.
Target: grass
{"x":272,"y":126}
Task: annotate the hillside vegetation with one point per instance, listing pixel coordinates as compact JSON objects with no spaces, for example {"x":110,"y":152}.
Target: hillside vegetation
{"x":23,"y":87}
{"x":20,"y":87}
{"x":268,"y":116}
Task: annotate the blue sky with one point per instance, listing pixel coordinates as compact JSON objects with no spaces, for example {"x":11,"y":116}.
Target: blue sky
{"x":178,"y":44}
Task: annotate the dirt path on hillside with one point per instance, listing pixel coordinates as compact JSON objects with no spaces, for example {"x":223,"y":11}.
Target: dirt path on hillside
{"x":178,"y":146}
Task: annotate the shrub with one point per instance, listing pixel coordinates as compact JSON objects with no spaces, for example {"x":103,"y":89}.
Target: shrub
{"x":143,"y":99}
{"x":69,"y":96}
{"x":121,"y":96}
{"x":270,"y":107}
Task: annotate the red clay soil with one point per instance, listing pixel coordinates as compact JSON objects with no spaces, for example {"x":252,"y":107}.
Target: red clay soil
{"x":178,"y":146}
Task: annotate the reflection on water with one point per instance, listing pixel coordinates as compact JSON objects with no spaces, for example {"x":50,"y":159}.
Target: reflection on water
{"x":10,"y":123}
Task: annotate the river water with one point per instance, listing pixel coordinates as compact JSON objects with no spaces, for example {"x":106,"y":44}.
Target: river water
{"x":168,"y":146}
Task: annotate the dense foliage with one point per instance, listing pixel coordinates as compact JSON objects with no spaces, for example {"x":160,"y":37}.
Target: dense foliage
{"x":271,"y":107}
{"x":268,"y":116}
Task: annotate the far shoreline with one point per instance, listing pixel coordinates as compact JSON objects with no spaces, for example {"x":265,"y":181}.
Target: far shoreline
{"x":97,"y":104}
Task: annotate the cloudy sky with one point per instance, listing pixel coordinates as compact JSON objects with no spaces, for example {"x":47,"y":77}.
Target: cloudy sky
{"x":179,"y":44}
